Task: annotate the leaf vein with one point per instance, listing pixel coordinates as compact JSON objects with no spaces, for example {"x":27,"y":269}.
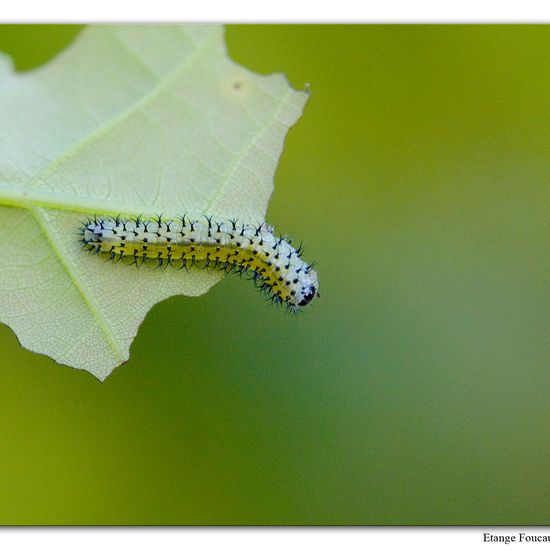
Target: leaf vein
{"x":111,"y":123}
{"x":77,"y":281}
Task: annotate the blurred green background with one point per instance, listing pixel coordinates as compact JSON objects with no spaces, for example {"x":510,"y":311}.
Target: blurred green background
{"x":415,"y":391}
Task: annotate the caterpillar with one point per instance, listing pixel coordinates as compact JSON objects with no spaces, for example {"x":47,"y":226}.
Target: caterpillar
{"x":182,"y":243}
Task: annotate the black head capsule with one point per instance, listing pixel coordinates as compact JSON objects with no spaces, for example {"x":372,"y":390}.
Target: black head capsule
{"x":306,"y":289}
{"x":308,"y":295}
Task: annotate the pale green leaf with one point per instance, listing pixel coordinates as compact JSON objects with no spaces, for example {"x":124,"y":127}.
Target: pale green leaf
{"x":132,"y":120}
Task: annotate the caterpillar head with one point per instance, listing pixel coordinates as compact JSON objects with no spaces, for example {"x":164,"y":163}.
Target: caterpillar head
{"x":309,"y":288}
